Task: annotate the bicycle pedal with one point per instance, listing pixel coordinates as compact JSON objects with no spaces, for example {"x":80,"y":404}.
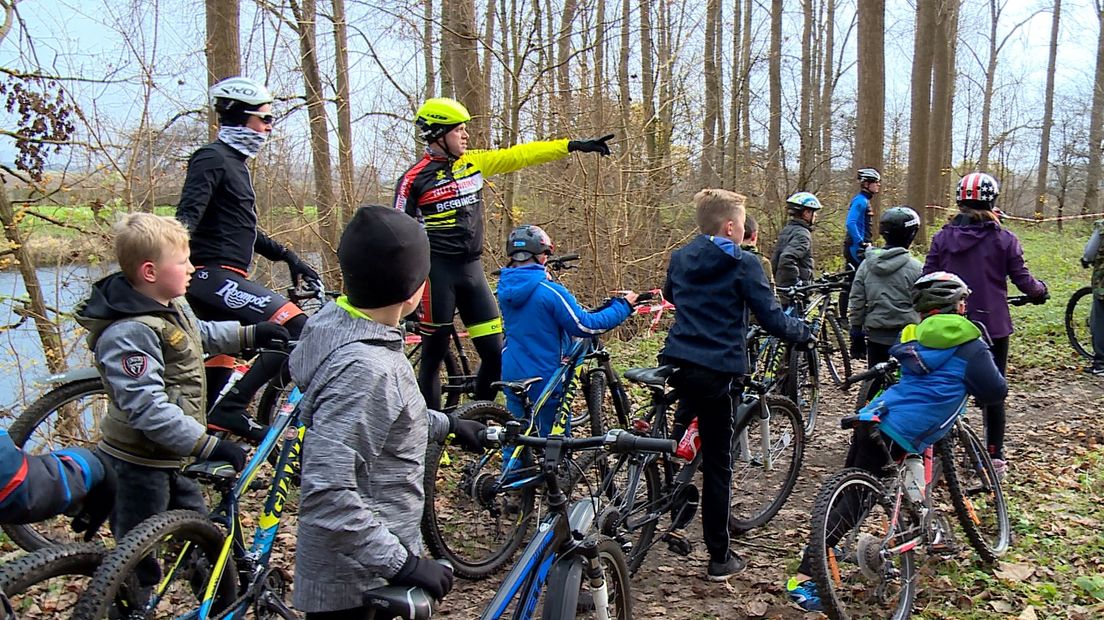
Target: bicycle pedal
{"x":677,"y":543}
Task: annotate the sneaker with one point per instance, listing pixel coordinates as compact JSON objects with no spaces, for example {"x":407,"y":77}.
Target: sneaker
{"x":1000,"y":466}
{"x":237,"y":422}
{"x":804,"y":594}
{"x":720,"y":571}
{"x":1095,"y":370}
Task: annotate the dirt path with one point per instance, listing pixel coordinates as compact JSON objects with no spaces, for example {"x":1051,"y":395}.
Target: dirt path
{"x":1045,"y":411}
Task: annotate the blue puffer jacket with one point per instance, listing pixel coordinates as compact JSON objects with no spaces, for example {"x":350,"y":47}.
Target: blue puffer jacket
{"x":942,"y":360}
{"x":37,"y":487}
{"x":540,"y":317}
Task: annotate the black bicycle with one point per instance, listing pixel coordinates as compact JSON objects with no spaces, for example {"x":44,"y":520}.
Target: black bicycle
{"x":1078,"y":317}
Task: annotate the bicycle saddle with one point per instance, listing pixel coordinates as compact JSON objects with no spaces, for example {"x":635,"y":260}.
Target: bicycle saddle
{"x":211,"y":471}
{"x":654,"y":377}
{"x":519,"y":388}
{"x":400,"y":602}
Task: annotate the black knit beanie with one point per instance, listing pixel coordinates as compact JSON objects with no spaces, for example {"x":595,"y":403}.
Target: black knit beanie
{"x":384,"y":256}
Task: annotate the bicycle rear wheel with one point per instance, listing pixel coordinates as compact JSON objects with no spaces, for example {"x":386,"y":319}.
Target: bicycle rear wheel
{"x":631,"y":491}
{"x":570,"y":595}
{"x":803,"y":385}
{"x":766,"y":461}
{"x":68,"y":415}
{"x":466,"y":520}
{"x":1078,"y":313}
{"x":976,"y":492}
{"x":44,"y":584}
{"x":164,"y":563}
{"x":854,"y":532}
{"x":832,"y":345}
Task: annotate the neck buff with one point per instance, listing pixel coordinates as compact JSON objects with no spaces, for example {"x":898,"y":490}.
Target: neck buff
{"x":243,"y":139}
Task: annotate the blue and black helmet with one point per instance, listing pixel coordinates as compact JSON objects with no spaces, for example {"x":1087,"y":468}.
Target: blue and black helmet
{"x":527,"y":241}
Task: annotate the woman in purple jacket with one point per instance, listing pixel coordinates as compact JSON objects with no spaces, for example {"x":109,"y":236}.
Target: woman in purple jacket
{"x":975,"y":247}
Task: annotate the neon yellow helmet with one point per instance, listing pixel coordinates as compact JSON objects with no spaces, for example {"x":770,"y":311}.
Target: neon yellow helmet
{"x":438,"y":116}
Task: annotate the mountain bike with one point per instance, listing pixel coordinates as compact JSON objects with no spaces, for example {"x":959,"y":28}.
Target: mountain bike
{"x":1078,"y":316}
{"x":640,"y":489}
{"x":832,"y":346}
{"x":69,"y":414}
{"x":478,"y":507}
{"x":457,"y":372}
{"x":203,"y":566}
{"x":39,"y":585}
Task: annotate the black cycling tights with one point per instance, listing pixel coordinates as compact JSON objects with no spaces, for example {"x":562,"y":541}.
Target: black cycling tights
{"x":434,"y":349}
{"x":994,"y":414}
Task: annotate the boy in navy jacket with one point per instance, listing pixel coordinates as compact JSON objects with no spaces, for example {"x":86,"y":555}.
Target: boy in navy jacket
{"x":540,"y":318}
{"x":943,"y":359}
{"x":713,"y":283}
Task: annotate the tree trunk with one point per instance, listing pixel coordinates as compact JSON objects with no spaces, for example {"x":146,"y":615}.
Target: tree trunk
{"x":774,"y":126}
{"x":563,"y":64}
{"x":222,"y":49}
{"x":306,"y":13}
{"x":708,"y":176}
{"x":920,"y":109}
{"x":48,"y":332}
{"x":827,"y":92}
{"x":1048,"y":117}
{"x":650,"y":127}
{"x":870,"y":115}
{"x":990,"y":80}
{"x":942,"y":109}
{"x":1096,"y":124}
{"x":598,"y":100}
{"x":427,"y":50}
{"x":805,"y":159}
{"x":732,"y":138}
{"x":624,"y":98}
{"x":666,"y":88}
{"x":344,"y":116}
{"x":745,"y":93}
{"x":467,"y":76}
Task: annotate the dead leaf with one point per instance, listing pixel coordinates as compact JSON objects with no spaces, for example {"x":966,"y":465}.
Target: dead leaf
{"x":1028,"y":613}
{"x":1014,"y":571}
{"x":757,"y":608}
{"x":1001,"y":606}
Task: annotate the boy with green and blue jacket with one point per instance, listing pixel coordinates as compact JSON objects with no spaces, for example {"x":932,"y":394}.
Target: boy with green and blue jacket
{"x":1094,"y":257}
{"x":943,"y":359}
{"x":541,"y":318}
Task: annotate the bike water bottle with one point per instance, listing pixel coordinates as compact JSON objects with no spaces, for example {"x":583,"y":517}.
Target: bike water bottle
{"x":690,"y":443}
{"x":914,"y":477}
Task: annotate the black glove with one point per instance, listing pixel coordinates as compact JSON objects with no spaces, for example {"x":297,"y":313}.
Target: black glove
{"x":470,"y":435}
{"x":98,"y":504}
{"x":597,"y":145}
{"x":266,"y":335}
{"x":423,"y":573}
{"x":858,"y":345}
{"x":299,"y":269}
{"x":230,"y":452}
{"x":807,"y":345}
{"x":1041,"y":299}
{"x":1085,"y":264}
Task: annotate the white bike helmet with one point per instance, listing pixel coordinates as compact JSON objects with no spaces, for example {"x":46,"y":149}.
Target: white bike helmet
{"x":239,"y":93}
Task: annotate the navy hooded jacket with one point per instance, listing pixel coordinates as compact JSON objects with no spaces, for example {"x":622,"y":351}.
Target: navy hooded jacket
{"x":39,"y":486}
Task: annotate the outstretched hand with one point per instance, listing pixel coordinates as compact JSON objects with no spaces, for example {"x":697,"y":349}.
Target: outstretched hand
{"x":596,"y":145}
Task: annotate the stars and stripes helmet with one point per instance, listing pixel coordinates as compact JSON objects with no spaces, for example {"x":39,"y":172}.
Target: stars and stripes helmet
{"x":977,"y":190}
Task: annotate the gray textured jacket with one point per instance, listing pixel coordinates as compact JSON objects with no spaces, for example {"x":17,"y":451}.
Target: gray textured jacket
{"x":793,"y":254}
{"x":881,"y":296}
{"x":361,"y":499}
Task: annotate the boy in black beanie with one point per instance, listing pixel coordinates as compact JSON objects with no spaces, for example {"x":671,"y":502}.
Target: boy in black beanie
{"x":367,"y":425}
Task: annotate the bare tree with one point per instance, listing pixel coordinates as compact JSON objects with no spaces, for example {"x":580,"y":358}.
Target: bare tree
{"x":870,"y":112}
{"x":805,"y":128}
{"x":709,"y":175}
{"x":1048,"y":116}
{"x":222,"y":49}
{"x":942,"y":108}
{"x":1096,"y":122}
{"x":996,"y":45}
{"x":771,"y":189}
{"x":461,"y":44}
{"x":828,"y":80}
{"x":920,"y":116}
{"x":345,"y":163}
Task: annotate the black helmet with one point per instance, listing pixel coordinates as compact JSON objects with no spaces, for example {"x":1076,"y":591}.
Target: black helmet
{"x":525,"y":242}
{"x":899,"y":225}
{"x":939,"y":291}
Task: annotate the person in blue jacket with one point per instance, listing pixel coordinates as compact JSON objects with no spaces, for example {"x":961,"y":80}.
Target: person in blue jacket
{"x":858,"y":233}
{"x":71,"y":481}
{"x":943,"y":359}
{"x":540,"y":318}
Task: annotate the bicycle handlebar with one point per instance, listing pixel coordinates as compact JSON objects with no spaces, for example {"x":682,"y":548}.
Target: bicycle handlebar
{"x":1023,"y":300}
{"x":616,"y":440}
{"x":560,"y":263}
{"x":884,"y":368}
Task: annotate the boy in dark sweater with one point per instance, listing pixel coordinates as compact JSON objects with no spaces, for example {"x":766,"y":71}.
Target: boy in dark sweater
{"x":713,"y":283}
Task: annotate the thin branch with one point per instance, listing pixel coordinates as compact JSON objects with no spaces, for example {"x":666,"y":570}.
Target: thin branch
{"x":58,"y":78}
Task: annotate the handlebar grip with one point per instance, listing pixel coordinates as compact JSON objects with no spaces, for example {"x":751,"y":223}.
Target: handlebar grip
{"x":567,"y":257}
{"x":645,"y":296}
{"x":878,"y":369}
{"x":627,"y":442}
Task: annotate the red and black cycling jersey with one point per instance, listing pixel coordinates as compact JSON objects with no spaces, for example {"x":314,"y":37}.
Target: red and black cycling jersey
{"x":218,"y":206}
{"x":446,"y":194}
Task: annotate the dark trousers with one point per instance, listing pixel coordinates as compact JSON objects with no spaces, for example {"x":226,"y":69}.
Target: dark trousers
{"x":866,"y":453}
{"x":358,"y":613}
{"x":147,"y":491}
{"x":876,"y":352}
{"x":1096,"y":324}
{"x":712,"y":397}
{"x":994,"y":414}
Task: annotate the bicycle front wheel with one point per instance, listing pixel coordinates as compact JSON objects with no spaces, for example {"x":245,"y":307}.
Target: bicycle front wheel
{"x":858,"y":566}
{"x":468,"y":520}
{"x":766,"y":461}
{"x":1078,"y":314}
{"x":570,"y":592}
{"x":68,"y":415}
{"x":161,"y":568}
{"x":803,"y":385}
{"x":832,"y":346}
{"x":631,"y":491}
{"x":40,"y":585}
{"x":976,"y":492}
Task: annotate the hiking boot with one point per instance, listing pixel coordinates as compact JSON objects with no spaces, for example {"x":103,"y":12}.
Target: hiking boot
{"x":804,"y":594}
{"x":720,"y":571}
{"x":238,"y":422}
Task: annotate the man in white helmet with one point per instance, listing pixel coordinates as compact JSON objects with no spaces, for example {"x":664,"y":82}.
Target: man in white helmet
{"x":218,"y":206}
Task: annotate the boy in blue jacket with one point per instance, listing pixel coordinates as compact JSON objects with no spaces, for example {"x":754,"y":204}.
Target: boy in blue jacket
{"x":943,"y":359}
{"x":540,"y":318}
{"x":713,"y":284}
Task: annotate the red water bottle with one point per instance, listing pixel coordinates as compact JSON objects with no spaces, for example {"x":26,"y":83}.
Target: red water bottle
{"x":690,"y":442}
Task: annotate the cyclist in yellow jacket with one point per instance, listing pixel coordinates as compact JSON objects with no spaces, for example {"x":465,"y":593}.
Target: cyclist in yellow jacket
{"x":444,"y":190}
